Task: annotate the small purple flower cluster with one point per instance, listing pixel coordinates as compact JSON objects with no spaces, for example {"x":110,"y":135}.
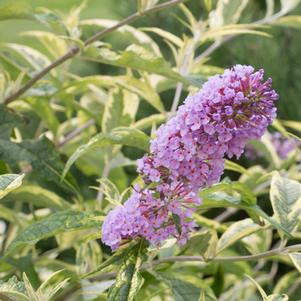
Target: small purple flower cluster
{"x":283,"y":146}
{"x":147,"y":215}
{"x":188,"y":154}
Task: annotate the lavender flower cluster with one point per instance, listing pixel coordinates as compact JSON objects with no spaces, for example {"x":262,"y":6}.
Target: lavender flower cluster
{"x":283,"y":147}
{"x":188,"y":154}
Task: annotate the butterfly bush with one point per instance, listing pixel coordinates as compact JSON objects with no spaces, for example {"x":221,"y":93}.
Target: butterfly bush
{"x":188,"y":154}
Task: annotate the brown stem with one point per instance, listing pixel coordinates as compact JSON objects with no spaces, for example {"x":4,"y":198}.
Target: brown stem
{"x":76,"y":132}
{"x":75,"y":50}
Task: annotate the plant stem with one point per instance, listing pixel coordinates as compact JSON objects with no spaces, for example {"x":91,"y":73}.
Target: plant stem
{"x":200,"y":259}
{"x":76,"y":132}
{"x":75,"y":50}
{"x":267,"y":254}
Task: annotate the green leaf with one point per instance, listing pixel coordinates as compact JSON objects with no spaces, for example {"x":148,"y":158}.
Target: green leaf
{"x":56,"y":223}
{"x":38,"y":196}
{"x":219,"y":280}
{"x":134,"y":57}
{"x":148,"y":122}
{"x":259,"y":241}
{"x":8,"y":120}
{"x":42,"y":108}
{"x":15,"y":10}
{"x":235,"y":232}
{"x":55,"y":45}
{"x":203,"y":243}
{"x":223,"y":195}
{"x":181,"y":290}
{"x":296,"y":259}
{"x":207,"y":295}
{"x":274,"y":297}
{"x":285,"y":282}
{"x":261,"y":291}
{"x":24,"y":56}
{"x":232,"y":30}
{"x":287,"y":5}
{"x":13,"y":288}
{"x":129,"y":33}
{"x":237,"y":194}
{"x":52,"y":20}
{"x":285,"y":197}
{"x":209,"y":223}
{"x":141,"y":88}
{"x":177,"y":221}
{"x":40,"y":154}
{"x":128,"y":280}
{"x":123,"y":136}
{"x":229,"y":165}
{"x":227,"y":12}
{"x":113,"y":115}
{"x":9,"y":182}
{"x":110,"y":191}
{"x":115,"y":258}
{"x":295,"y":125}
{"x":165,"y":35}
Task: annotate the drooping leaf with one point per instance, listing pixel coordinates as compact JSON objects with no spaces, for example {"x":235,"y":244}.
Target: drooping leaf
{"x":128,"y":280}
{"x":123,"y":136}
{"x":9,"y":182}
{"x":58,"y":222}
{"x":285,"y":195}
{"x":235,"y":232}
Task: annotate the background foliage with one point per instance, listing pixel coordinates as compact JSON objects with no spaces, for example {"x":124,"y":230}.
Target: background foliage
{"x":70,"y":139}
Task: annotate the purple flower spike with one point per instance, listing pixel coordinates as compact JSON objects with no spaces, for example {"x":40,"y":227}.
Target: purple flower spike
{"x":188,"y":154}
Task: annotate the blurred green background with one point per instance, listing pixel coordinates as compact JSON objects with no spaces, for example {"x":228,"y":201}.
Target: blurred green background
{"x":279,"y":55}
